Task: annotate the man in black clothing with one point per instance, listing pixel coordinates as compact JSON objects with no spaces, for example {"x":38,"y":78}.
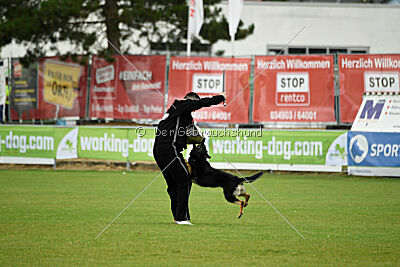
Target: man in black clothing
{"x":170,"y":140}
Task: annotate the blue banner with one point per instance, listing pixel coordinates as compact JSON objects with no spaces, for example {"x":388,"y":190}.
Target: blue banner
{"x":373,"y":149}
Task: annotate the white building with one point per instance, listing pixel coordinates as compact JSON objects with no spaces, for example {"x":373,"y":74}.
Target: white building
{"x":328,"y":28}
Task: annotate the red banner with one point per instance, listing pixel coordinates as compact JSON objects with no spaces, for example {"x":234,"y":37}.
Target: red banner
{"x":62,"y":90}
{"x":360,"y":74}
{"x":294,"y":89}
{"x":130,"y":87}
{"x":205,"y":76}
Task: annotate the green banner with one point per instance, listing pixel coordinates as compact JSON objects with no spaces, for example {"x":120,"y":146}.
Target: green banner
{"x":27,"y":141}
{"x":103,"y":143}
{"x":123,"y":144}
{"x":142,"y":141}
{"x":136,"y":144}
{"x":277,"y":147}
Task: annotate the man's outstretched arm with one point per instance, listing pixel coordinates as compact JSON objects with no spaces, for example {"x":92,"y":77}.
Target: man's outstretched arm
{"x":192,"y":105}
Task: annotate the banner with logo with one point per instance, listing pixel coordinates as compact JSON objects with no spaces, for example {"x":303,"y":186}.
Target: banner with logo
{"x":294,"y":89}
{"x":374,"y":153}
{"x":62,"y":89}
{"x":40,"y":144}
{"x":24,"y":90}
{"x":129,"y":87}
{"x":244,"y":148}
{"x":205,"y":76}
{"x":66,"y":140}
{"x":361,"y":74}
{"x":284,"y":150}
{"x":378,"y":113}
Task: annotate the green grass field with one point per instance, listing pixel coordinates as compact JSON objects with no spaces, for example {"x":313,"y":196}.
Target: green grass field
{"x":52,"y":217}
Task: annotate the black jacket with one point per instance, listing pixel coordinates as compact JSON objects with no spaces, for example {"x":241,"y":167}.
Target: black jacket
{"x":172,"y":128}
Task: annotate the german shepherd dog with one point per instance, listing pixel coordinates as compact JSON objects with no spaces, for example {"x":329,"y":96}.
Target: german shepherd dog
{"x":206,"y":176}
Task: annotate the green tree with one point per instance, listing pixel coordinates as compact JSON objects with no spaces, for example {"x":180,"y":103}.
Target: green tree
{"x":90,"y":26}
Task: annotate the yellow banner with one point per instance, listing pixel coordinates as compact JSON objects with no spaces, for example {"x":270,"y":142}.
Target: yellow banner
{"x":61,"y":84}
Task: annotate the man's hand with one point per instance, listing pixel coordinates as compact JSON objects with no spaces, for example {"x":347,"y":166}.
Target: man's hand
{"x":224,"y":94}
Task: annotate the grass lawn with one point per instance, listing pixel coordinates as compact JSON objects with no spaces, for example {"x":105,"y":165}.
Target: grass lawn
{"x":52,"y":217}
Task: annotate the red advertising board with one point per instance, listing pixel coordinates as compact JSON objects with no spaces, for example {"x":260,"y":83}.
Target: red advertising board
{"x":294,"y":89}
{"x":359,"y":74}
{"x":205,"y":76}
{"x":130,"y":87}
{"x":61,"y":90}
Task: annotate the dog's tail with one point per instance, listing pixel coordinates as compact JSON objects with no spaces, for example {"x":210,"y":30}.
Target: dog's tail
{"x":251,"y":179}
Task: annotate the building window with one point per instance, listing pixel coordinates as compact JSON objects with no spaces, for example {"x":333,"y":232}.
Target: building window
{"x":317,"y":50}
{"x":297,"y":50}
{"x":310,"y":50}
{"x":179,"y":48}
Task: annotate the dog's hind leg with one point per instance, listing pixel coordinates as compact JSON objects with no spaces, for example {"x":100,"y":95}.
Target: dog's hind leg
{"x":247,"y":197}
{"x":230,"y":197}
{"x":241,"y":203}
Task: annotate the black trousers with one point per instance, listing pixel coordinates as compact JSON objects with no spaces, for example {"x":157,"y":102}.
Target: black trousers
{"x":6,"y":118}
{"x":1,"y":114}
{"x":177,"y":177}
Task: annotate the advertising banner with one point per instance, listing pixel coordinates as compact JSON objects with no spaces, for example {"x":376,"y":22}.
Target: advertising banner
{"x":130,"y":87}
{"x":205,"y":76}
{"x":25,"y":141}
{"x":60,"y":80}
{"x":142,"y":142}
{"x":278,"y":147}
{"x":378,"y":113}
{"x":24,"y":90}
{"x":294,"y":89}
{"x":66,"y":142}
{"x":103,"y":143}
{"x":62,"y":89}
{"x":245,"y":148}
{"x":374,"y":153}
{"x":361,"y":74}
{"x":289,"y":150}
{"x":121,"y":144}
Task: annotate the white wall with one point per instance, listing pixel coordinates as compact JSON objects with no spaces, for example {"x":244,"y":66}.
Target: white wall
{"x":363,"y":25}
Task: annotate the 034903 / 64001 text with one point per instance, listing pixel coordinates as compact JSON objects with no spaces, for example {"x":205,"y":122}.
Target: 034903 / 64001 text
{"x":293,"y":115}
{"x":212,"y":115}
